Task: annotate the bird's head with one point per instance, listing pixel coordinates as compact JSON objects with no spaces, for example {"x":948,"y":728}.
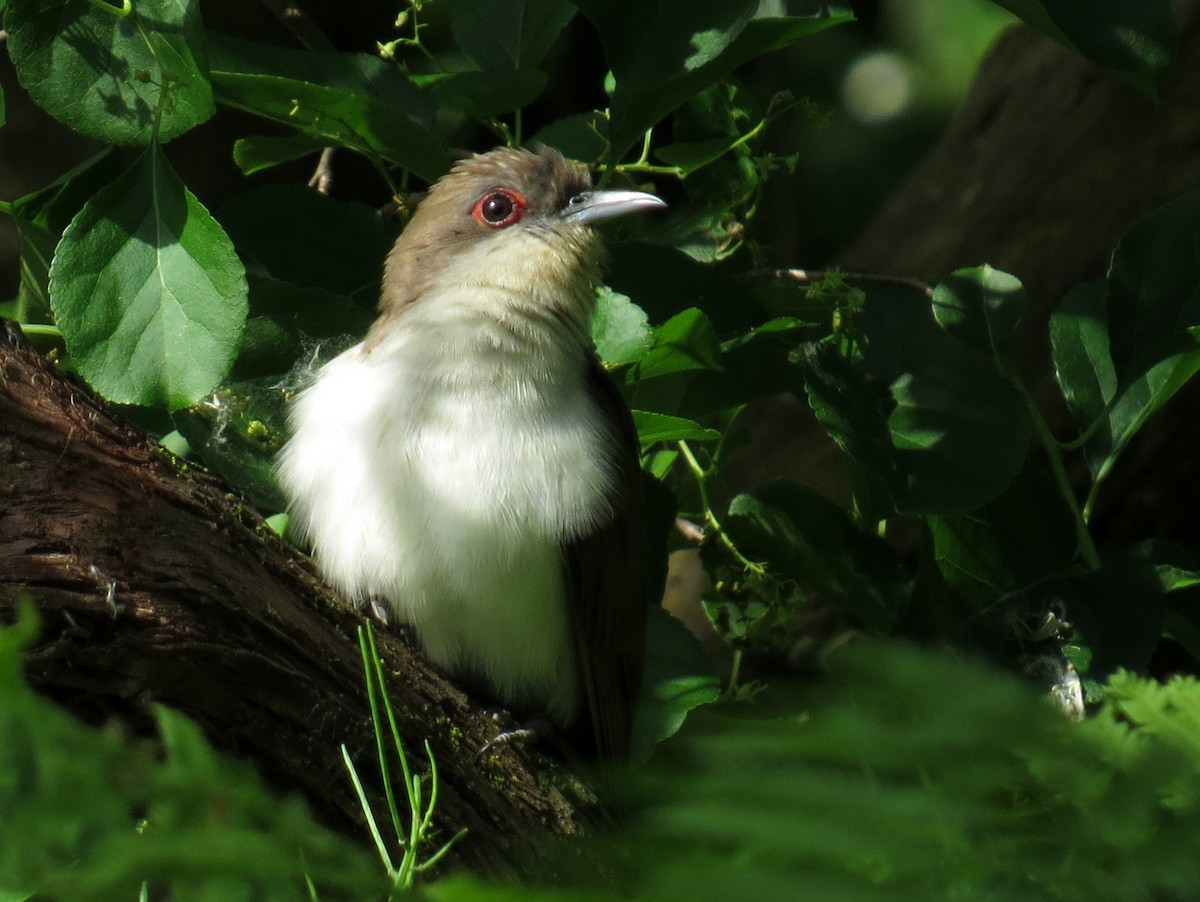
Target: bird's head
{"x":516,"y":220}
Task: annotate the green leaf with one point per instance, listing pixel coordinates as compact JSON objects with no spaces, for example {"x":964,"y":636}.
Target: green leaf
{"x":677,"y":678}
{"x":310,"y":239}
{"x":111,"y":77}
{"x":804,"y":536}
{"x":286,"y":321}
{"x":664,"y":282}
{"x":853,"y":413}
{"x":508,"y":34}
{"x":147,"y":290}
{"x":580,"y":136}
{"x":259,"y":152}
{"x":1154,"y":287}
{"x":663,"y":53}
{"x":237,"y":431}
{"x":620,"y":329}
{"x":687,"y":341}
{"x":483,"y":94}
{"x":1025,"y":535}
{"x":660,"y":427}
{"x":352,"y":100}
{"x":42,"y":217}
{"x":960,"y":430}
{"x":1082,"y":361}
{"x":980,"y":307}
{"x":1135,"y":40}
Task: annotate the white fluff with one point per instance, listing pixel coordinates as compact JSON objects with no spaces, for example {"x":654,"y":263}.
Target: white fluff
{"x":442,"y":468}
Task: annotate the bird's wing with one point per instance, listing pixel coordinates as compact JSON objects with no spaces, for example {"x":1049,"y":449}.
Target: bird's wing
{"x":607,"y":586}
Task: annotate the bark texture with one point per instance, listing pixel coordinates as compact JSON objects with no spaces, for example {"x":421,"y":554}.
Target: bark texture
{"x":156,"y":584}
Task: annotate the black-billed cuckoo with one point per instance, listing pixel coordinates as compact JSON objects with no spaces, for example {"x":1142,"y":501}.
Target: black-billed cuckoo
{"x":471,"y":464}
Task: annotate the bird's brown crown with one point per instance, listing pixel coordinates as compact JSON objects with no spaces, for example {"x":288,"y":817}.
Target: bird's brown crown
{"x":480,"y":196}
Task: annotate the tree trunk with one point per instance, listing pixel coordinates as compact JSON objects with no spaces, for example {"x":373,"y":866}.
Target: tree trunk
{"x":155,"y":584}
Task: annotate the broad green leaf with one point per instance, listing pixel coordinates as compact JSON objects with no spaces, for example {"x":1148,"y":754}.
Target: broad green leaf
{"x":853,"y":412}
{"x":580,"y":136}
{"x":352,"y":100}
{"x":259,"y":152}
{"x":660,"y":427}
{"x":1154,"y":287}
{"x":508,"y":34}
{"x":961,"y":431}
{"x":112,"y":77}
{"x":482,"y":94}
{"x":1082,"y":361}
{"x":237,"y":431}
{"x":806,"y":537}
{"x":664,"y":282}
{"x":41,"y":218}
{"x":1025,"y":535}
{"x":286,"y":322}
{"x":310,"y":239}
{"x":147,"y":290}
{"x":663,"y":53}
{"x":678,"y":678}
{"x":620,"y":329}
{"x":695,"y":155}
{"x":980,"y":307}
{"x":687,"y":341}
{"x":1135,"y":40}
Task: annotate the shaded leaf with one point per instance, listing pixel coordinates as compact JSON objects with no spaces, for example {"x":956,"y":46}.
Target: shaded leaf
{"x":353,"y":100}
{"x":508,"y":34}
{"x":111,"y":77}
{"x":804,"y":536}
{"x":980,"y":306}
{"x":259,"y":152}
{"x":1082,"y":361}
{"x":687,"y":341}
{"x":483,"y":94}
{"x":660,"y":427}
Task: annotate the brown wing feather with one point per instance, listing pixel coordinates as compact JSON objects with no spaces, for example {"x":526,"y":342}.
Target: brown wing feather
{"x":607,"y":590}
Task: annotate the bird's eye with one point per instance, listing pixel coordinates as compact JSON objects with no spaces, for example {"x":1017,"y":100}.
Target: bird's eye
{"x":499,"y":208}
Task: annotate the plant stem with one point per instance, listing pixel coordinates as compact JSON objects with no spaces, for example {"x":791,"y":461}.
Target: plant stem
{"x":1086,"y":546}
{"x":710,"y":519}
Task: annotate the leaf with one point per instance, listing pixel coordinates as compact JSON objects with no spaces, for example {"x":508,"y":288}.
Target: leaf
{"x":285,"y":323}
{"x":508,"y":34}
{"x":664,"y":282}
{"x":687,"y":341}
{"x":1136,"y":41}
{"x":805,"y":537}
{"x":663,"y":53}
{"x":620,"y":329}
{"x":660,"y":427}
{"x":259,"y":152}
{"x":677,"y":678}
{"x":349,"y":99}
{"x":1082,"y":361}
{"x":148,"y":291}
{"x":960,"y":430}
{"x":483,"y":94}
{"x":980,"y":307}
{"x":1154,"y":287}
{"x":580,"y":136}
{"x":310,"y":239}
{"x":237,"y":431}
{"x":113,"y":77}
{"x":41,"y":218}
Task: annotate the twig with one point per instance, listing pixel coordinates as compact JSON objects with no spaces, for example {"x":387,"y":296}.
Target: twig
{"x":322,"y":177}
{"x":808,"y":276}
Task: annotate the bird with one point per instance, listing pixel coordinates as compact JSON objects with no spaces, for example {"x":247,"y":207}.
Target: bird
{"x":471,"y":465}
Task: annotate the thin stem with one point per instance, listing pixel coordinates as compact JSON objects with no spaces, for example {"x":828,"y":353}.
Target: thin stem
{"x":366,"y":644}
{"x":124,"y":10}
{"x":714,"y":525}
{"x":48,"y":329}
{"x":1086,"y":546}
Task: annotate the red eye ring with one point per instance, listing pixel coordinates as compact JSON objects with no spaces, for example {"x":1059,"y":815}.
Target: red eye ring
{"x":499,"y":208}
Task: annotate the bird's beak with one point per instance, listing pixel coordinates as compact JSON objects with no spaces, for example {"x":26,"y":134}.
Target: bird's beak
{"x":594,"y":206}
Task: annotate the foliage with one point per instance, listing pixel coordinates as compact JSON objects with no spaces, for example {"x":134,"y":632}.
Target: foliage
{"x":209,"y":323}
{"x":90,"y":814}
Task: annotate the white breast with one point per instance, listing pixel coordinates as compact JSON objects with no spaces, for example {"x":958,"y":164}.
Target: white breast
{"x":442,"y":470}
